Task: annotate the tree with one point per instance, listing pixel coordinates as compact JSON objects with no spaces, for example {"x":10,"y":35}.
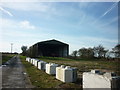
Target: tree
{"x":82,"y":52}
{"x":24,"y":50}
{"x":86,"y":52}
{"x":100,"y":51}
{"x":105,"y":54}
{"x":74,"y":53}
{"x":90,"y":52}
{"x":109,"y":54}
{"x":116,"y":51}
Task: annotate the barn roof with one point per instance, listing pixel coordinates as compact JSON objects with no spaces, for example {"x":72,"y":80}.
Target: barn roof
{"x":54,"y":42}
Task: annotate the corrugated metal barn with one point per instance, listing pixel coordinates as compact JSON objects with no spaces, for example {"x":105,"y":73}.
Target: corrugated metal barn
{"x":50,"y":48}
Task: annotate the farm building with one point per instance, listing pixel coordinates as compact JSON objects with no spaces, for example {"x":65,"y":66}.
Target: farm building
{"x":50,"y":48}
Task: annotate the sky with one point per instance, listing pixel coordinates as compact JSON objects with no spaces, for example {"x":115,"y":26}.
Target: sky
{"x":79,"y":24}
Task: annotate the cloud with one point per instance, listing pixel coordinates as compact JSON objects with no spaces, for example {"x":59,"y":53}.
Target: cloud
{"x":89,"y":41}
{"x":97,"y":39}
{"x":27,"y":6}
{"x":106,"y":12}
{"x":77,"y":42}
{"x":26,"y":24}
{"x":109,"y":9}
{"x":9,"y":23}
{"x":28,"y":38}
{"x":5,"y":11}
{"x":111,"y":21}
{"x":83,"y":4}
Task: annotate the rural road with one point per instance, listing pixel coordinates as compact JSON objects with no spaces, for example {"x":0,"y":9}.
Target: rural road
{"x":14,"y":76}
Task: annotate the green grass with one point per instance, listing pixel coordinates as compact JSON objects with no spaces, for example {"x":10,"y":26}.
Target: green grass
{"x":38,"y":77}
{"x":66,"y":59}
{"x":6,"y":57}
{"x":86,"y":64}
{"x":42,"y":80}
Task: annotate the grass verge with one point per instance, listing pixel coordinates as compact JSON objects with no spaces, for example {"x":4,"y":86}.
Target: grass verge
{"x":38,"y":77}
{"x":6,"y":57}
{"x":42,"y":80}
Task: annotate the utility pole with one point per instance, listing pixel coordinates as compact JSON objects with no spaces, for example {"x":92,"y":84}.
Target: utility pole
{"x":11,"y":47}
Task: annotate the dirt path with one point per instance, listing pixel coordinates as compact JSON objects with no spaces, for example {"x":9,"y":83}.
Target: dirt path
{"x":14,"y":75}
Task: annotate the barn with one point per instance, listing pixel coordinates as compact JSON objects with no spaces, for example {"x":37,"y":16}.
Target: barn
{"x":49,"y":48}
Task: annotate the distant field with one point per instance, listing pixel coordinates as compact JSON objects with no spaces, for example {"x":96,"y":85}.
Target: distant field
{"x":6,"y":57}
{"x":42,"y":80}
{"x":86,"y":64}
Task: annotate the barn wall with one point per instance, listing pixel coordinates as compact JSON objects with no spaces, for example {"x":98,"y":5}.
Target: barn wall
{"x":53,"y":49}
{"x":65,"y":51}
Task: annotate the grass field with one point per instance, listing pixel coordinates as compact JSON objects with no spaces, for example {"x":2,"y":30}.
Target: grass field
{"x":42,"y":80}
{"x":86,"y":64}
{"x":6,"y":57}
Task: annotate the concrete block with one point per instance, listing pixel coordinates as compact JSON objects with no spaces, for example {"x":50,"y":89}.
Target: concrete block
{"x":67,"y":74}
{"x":59,"y":74}
{"x":31,"y":61}
{"x":51,"y":68}
{"x":99,"y":80}
{"x":95,"y":71}
{"x":27,"y":59}
{"x":115,"y":83}
{"x":74,"y":69}
{"x":42,"y":65}
{"x":36,"y":62}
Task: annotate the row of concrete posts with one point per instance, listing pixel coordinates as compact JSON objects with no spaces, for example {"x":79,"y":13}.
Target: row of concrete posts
{"x":93,"y":79}
{"x":62,"y":73}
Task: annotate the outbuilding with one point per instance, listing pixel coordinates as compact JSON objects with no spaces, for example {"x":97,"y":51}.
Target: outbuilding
{"x":50,"y":48}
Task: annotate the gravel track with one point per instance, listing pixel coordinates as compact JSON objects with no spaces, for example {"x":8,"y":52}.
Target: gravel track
{"x":14,"y":75}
